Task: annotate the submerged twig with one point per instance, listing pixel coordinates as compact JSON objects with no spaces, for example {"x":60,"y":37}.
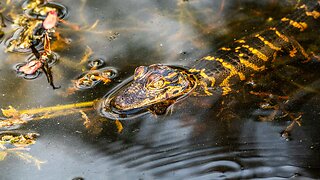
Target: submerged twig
{"x":57,"y":108}
{"x":2,"y":20}
{"x":35,"y":51}
{"x":47,"y":71}
{"x":17,"y":117}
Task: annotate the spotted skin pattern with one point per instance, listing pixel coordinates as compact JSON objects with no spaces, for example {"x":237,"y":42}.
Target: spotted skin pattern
{"x":254,"y":53}
{"x":154,"y":84}
{"x":220,"y":71}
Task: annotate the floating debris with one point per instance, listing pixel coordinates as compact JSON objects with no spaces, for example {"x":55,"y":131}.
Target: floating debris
{"x":34,"y":32}
{"x":27,"y":33}
{"x":39,"y":9}
{"x":114,"y":36}
{"x":96,"y":63}
{"x":17,"y":140}
{"x":91,"y":78}
{"x":29,"y":70}
{"x":14,"y":118}
{"x":15,"y":143}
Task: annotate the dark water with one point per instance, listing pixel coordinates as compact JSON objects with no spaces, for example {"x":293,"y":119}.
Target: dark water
{"x":201,"y":139}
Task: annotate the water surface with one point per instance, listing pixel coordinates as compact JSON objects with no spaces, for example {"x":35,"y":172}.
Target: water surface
{"x":198,"y":140}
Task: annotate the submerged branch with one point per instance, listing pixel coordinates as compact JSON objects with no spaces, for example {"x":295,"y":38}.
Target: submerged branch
{"x":57,"y":108}
{"x":17,"y":117}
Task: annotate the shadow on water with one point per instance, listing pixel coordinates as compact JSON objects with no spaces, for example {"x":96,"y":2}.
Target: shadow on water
{"x":204,"y":137}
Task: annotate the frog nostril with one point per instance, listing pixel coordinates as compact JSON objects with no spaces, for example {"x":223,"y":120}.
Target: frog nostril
{"x":139,"y":71}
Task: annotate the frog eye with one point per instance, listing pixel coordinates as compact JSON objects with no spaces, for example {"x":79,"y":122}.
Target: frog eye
{"x":155,"y":82}
{"x":140,"y":71}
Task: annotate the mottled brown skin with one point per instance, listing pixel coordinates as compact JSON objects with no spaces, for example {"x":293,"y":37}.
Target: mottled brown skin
{"x":153,"y":84}
{"x":159,"y":84}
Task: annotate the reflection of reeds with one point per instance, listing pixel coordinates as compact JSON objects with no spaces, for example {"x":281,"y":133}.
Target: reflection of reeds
{"x":22,"y":155}
{"x":29,"y":159}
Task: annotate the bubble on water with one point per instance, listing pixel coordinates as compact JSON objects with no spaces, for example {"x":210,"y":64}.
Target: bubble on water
{"x":109,"y":73}
{"x":96,"y":63}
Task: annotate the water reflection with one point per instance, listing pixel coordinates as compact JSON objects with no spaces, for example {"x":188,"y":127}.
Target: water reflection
{"x":202,"y":138}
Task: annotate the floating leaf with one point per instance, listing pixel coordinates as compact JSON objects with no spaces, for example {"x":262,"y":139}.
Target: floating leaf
{"x":51,"y":20}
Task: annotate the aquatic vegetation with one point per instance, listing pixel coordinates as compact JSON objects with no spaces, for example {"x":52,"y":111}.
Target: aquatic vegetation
{"x":18,"y":140}
{"x":235,"y":136}
{"x":39,"y":9}
{"x":14,"y":118}
{"x":15,"y":143}
{"x":28,"y":32}
{"x":91,"y":78}
{"x":34,"y":31}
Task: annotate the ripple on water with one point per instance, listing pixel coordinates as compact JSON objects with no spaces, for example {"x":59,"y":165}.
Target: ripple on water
{"x":205,"y":163}
{"x":30,"y":13}
{"x":166,"y":150}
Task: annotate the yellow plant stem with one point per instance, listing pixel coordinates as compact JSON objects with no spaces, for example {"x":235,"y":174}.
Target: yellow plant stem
{"x":50,"y":112}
